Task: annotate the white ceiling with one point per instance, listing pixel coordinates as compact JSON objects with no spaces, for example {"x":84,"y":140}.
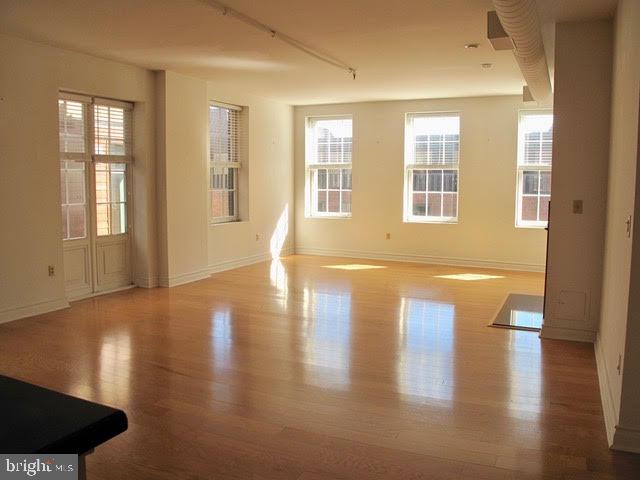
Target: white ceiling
{"x":401,"y":49}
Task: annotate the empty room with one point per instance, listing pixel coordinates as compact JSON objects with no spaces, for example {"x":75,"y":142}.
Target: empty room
{"x":286,"y":239}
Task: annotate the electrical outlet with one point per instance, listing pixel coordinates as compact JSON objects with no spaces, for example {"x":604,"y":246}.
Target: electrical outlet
{"x":52,"y":270}
{"x":257,"y":237}
{"x":388,"y":236}
{"x":577,"y":207}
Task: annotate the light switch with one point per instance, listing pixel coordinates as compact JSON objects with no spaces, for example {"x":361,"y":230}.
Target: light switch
{"x":577,"y":206}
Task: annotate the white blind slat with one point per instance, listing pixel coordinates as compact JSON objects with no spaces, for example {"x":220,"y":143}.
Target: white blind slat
{"x":435,"y":139}
{"x":72,"y":129}
{"x":224,"y":134}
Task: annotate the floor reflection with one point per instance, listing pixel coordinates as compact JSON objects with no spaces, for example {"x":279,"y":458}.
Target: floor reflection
{"x":222,"y":338}
{"x":115,"y":368}
{"x":279,"y":280}
{"x":426,"y":361}
{"x":525,"y":375}
{"x":326,"y":332}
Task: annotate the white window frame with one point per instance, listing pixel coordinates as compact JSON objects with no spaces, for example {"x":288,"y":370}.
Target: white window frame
{"x":235,"y":165}
{"x":410,"y":165}
{"x":90,"y":157}
{"x":522,"y":167}
{"x":312,"y":166}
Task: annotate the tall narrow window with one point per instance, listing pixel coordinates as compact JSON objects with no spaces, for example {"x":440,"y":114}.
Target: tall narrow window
{"x":95,"y":148}
{"x":74,"y":155}
{"x":328,"y":160}
{"x":432,"y":152}
{"x":224,"y":162}
{"x":535,"y":140}
{"x":112,"y":149}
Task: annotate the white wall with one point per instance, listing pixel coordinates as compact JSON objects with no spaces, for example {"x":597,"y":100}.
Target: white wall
{"x":619,"y":334}
{"x":191,"y":248}
{"x":485,"y":233}
{"x":582,"y":86}
{"x":30,"y":236}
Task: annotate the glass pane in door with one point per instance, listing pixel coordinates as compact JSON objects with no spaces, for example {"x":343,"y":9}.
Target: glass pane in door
{"x":111,"y":198}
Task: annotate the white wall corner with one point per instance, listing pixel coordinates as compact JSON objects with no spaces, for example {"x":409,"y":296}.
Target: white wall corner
{"x":147,"y":281}
{"x":606,"y":396}
{"x":394,"y":257}
{"x":39,"y":308}
{"x":571,"y":334}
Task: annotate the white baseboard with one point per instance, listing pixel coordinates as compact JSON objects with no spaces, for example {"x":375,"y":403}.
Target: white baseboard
{"x":16,"y":313}
{"x":626,"y":439}
{"x":561,"y":333}
{"x":146,"y":281}
{"x":462,"y":262}
{"x":245,"y":261}
{"x":606,"y":396}
{"x":175,"y":280}
{"x":166,"y":281}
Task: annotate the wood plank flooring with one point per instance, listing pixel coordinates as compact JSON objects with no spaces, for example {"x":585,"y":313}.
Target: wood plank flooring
{"x":293,"y":370}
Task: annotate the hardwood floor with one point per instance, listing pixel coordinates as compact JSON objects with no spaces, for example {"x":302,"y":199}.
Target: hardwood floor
{"x":291,"y":370}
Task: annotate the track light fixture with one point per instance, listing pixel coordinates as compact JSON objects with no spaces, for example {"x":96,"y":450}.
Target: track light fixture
{"x":324,"y":57}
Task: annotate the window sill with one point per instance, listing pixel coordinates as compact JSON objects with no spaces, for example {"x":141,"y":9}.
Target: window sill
{"x":327,"y":217}
{"x":533,"y":227}
{"x":431,"y":221}
{"x":226,"y":222}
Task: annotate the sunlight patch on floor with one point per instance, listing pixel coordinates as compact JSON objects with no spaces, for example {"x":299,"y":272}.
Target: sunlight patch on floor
{"x":469,"y":276}
{"x":354,"y":266}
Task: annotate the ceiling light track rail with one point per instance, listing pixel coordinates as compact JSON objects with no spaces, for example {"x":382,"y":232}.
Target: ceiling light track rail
{"x":323,"y":57}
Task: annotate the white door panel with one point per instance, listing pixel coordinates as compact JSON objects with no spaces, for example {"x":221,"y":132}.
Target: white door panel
{"x":77,"y":268}
{"x":112,"y":262}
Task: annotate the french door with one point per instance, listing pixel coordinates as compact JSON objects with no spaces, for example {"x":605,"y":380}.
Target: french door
{"x":95,"y":156}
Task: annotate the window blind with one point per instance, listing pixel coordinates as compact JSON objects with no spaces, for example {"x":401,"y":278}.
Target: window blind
{"x":224,"y":133}
{"x":72,"y":127}
{"x":331,"y":140}
{"x":434,"y":139}
{"x":112,"y":125}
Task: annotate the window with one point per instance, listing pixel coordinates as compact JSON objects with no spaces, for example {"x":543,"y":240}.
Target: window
{"x":432,"y":151}
{"x":535,"y":140}
{"x":94,"y":132}
{"x":328,"y":160}
{"x":224,"y":162}
{"x":74,"y":154}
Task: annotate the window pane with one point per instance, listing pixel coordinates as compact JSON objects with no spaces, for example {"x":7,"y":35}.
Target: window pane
{"x":232,"y":203}
{"x":219,"y":203}
{"x":71,"y":126}
{"x":231,"y":185}
{"x":544,"y":207}
{"x":118,"y":218}
{"x":530,"y":182}
{"x":421,"y":152}
{"x":530,"y":208}
{"x":435,"y":180}
{"x":419,"y":180}
{"x":450,"y":181}
{"x":436,"y":151}
{"x":322,"y":179}
{"x":323,"y":152}
{"x":334,"y":179}
{"x":111,"y":129}
{"x":347,"y":150}
{"x":117,"y":190}
{"x":322,"y":201}
{"x":65,"y":232}
{"x":434,"y":205}
{"x":532,"y":152}
{"x":103,"y":219}
{"x":334,"y":201}
{"x":536,"y":130}
{"x":545,"y":183}
{"x":419,"y":204}
{"x":346,"y":202}
{"x":63,"y":184}
{"x":346,"y":179}
{"x":449,"y":205}
{"x":435,"y":138}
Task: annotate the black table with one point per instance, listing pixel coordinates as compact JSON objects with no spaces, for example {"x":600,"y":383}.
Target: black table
{"x":34,"y":419}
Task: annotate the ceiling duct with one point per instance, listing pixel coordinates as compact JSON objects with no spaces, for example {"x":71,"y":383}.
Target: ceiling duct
{"x":519,"y":19}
